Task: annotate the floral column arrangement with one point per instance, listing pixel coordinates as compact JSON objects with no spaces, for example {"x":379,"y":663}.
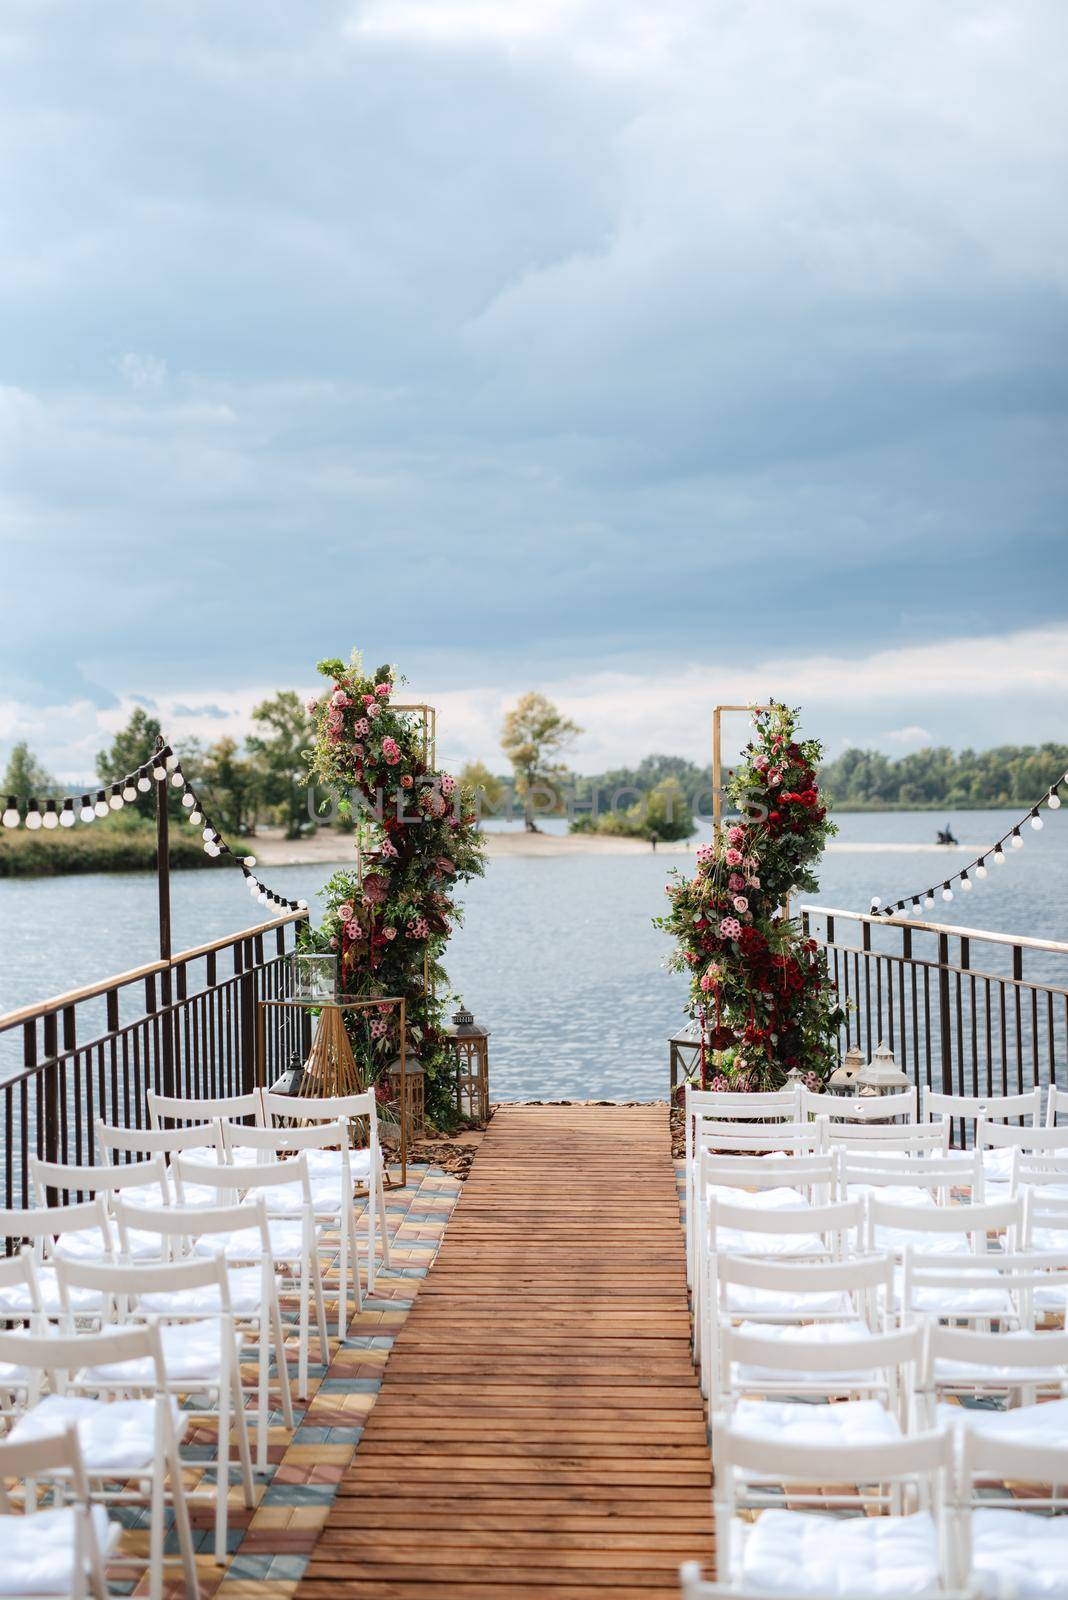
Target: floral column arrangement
{"x":759,"y":989}
{"x":390,"y":924}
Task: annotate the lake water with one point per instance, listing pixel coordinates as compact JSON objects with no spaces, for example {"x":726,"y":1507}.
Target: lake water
{"x":558,"y":956}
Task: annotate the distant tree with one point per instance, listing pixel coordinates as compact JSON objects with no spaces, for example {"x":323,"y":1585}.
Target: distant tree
{"x":24,"y":776}
{"x":668,"y":813}
{"x":228,"y":785}
{"x":534,"y":734}
{"x":478,"y":780}
{"x":939,"y":777}
{"x":277,"y":756}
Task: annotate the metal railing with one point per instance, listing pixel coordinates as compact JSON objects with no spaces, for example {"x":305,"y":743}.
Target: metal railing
{"x":964,"y":1011}
{"x":194,"y":1034}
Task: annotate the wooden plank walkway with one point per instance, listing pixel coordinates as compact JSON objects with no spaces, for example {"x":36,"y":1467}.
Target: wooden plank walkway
{"x":539,"y":1434}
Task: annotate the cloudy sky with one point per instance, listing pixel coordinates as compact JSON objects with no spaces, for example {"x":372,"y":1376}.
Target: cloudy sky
{"x":649,"y":352}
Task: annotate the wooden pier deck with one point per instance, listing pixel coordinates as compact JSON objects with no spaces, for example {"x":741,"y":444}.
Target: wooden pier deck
{"x":539,"y":1434}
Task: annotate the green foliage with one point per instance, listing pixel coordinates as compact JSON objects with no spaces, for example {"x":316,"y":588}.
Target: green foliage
{"x":477,"y":780}
{"x":759,"y":988}
{"x":123,"y":842}
{"x":534,"y":734}
{"x":940,"y":778}
{"x":664,"y":814}
{"x":280,"y":756}
{"x":390,"y":918}
{"x":24,"y":776}
{"x":228,"y":787}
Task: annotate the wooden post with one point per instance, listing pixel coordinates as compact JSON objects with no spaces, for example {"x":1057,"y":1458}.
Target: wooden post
{"x":717,"y":762}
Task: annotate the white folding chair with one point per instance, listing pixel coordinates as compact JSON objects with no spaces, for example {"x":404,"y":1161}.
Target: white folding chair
{"x":999,"y":1142}
{"x":769,"y":1182}
{"x":940,"y":1230}
{"x":18,"y":1288}
{"x":128,"y":1441}
{"x":912,"y":1138}
{"x":976,"y":1108}
{"x":145,"y":1182}
{"x":330,"y":1183}
{"x":1012,"y":1551}
{"x":83,"y":1230}
{"x":1047,"y":1173}
{"x":201,"y":1141}
{"x":800,"y":1552}
{"x":293,"y":1237}
{"x":973,"y":1286}
{"x":809,"y":1233}
{"x":60,"y":1550}
{"x":252,"y":1289}
{"x":694,"y":1586}
{"x":189,"y":1109}
{"x":761,"y":1377}
{"x":865,"y":1108}
{"x":916,"y":1180}
{"x":777,"y":1105}
{"x":200,"y":1352}
{"x":366,"y":1160}
{"x":1015,"y":1365}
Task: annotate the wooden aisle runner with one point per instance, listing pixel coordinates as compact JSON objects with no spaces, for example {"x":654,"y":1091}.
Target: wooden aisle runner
{"x":539,"y":1432}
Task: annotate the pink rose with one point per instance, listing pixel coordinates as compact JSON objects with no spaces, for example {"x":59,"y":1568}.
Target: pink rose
{"x":754,"y":883}
{"x":389,"y":933}
{"x":384,"y":690}
{"x":760,"y":762}
{"x":735,"y":882}
{"x":735,"y":835}
{"x":373,"y":709}
{"x":339,"y":698}
{"x":368,"y":699}
{"x":741,"y":904}
{"x":775,"y":777}
{"x":333,"y":942}
{"x":344,"y":911}
{"x":358,"y":750}
{"x":733,"y":858}
{"x":311,"y":707}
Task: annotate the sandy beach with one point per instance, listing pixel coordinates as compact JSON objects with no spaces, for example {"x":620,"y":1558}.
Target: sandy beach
{"x":272,"y":849}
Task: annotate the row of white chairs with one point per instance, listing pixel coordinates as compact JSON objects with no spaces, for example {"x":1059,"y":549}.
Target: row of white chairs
{"x":144,"y":1278}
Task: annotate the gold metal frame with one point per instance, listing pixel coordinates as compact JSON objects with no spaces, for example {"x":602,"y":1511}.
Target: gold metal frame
{"x":717,"y":762}
{"x":294,"y":1004}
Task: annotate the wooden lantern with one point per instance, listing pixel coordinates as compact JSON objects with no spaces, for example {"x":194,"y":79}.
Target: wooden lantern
{"x":470,"y":1041}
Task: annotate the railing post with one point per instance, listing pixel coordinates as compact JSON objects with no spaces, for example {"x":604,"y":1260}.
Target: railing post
{"x":163,"y":888}
{"x":247,"y":1015}
{"x":944,"y":1039}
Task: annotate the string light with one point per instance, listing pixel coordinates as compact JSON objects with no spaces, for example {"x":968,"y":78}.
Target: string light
{"x":51,"y":816}
{"x":66,"y":816}
{"x":1014,"y":838}
{"x":101,"y":808}
{"x":33,"y":816}
{"x":115,"y":800}
{"x":12,"y":816}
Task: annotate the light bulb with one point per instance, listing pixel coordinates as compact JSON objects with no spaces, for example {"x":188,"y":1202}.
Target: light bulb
{"x":171,"y":760}
{"x":87,"y":813}
{"x":144,"y":783}
{"x":33,"y":817}
{"x":928,"y":901}
{"x":1054,"y":801}
{"x":51,"y":816}
{"x":966,"y":883}
{"x":916,"y":908}
{"x":196,"y":816}
{"x":11,"y":817}
{"x":250,"y":861}
{"x":980,"y":871}
{"x":101,"y":808}
{"x":1036,"y":823}
{"x":207,"y":833}
{"x":999,"y":857}
{"x":947,"y":893}
{"x":876,"y":901}
{"x":1017,"y":840}
{"x":188,"y":800}
{"x":159,"y":773}
{"x":66,"y":816}
{"x":177,"y":778}
{"x":129,"y":792}
{"x":115,"y":802}
{"x":262,"y":898}
{"x":302,"y":905}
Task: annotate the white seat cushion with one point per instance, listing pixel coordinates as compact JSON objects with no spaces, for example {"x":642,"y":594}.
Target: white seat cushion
{"x":15,"y":1298}
{"x":742,"y":1242}
{"x":81,"y":1244}
{"x":1045,"y":1424}
{"x":114,"y":1435}
{"x":804,"y":1552}
{"x":1019,"y":1553}
{"x":39,"y":1550}
{"x":845,"y":1422}
{"x":145,"y":1194}
{"x":246,"y":1297}
{"x":190,"y":1355}
{"x":286,"y":1236}
{"x":997,"y":1165}
{"x":741,"y":1300}
{"x":779,"y":1199}
{"x":12,"y":1376}
{"x":955,"y":1302}
{"x":801,"y":1333}
{"x":327,"y":1163}
{"x":894,"y":1240}
{"x":287,"y":1199}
